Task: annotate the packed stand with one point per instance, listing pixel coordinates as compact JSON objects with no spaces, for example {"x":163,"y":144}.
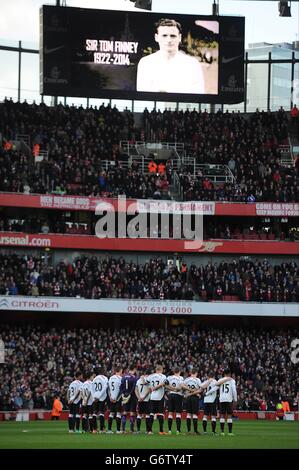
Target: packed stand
{"x":132,"y":183}
{"x":108,"y":277}
{"x":78,"y":140}
{"x":41,"y":363}
{"x":249,"y":146}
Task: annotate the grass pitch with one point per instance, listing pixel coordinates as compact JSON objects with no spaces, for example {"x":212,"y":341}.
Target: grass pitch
{"x":54,"y":435}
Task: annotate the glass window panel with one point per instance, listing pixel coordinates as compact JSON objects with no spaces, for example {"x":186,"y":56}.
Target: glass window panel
{"x":190,"y":106}
{"x":47,"y":100}
{"x":257,"y":80}
{"x":296,"y":85}
{"x":162,"y":105}
{"x":139,"y":105}
{"x":280,"y":86}
{"x":95,"y":102}
{"x":259,"y":51}
{"x":9,"y":74}
{"x":30,"y":77}
{"x":234,"y":108}
{"x":30,"y":45}
{"x":205,"y":107}
{"x":122,"y":104}
{"x":61,"y":100}
{"x":281,"y":52}
{"x":74,"y":101}
{"x":9,"y":42}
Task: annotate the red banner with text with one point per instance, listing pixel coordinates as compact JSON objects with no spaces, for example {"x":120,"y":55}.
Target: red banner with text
{"x":87,"y":242}
{"x":84,"y":203}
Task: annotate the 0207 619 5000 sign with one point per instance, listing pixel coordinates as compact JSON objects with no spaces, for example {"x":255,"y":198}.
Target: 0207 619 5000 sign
{"x":148,"y":309}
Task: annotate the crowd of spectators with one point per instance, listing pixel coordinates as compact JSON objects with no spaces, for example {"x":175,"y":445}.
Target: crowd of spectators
{"x":76,"y":140}
{"x":108,"y":277}
{"x":249,"y":146}
{"x":41,"y":362}
{"x":215,"y":137}
{"x":278,"y":184}
{"x":79,"y":140}
{"x":132,"y":183}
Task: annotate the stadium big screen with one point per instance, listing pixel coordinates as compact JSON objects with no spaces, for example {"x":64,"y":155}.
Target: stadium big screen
{"x":121,"y":54}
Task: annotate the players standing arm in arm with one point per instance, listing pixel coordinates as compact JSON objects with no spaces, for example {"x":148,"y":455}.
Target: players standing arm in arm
{"x":162,"y":384}
{"x":217,"y":385}
{"x":203,"y":386}
{"x":187,"y":390}
{"x":171,"y":388}
{"x":225,"y":379}
{"x":189,"y":393}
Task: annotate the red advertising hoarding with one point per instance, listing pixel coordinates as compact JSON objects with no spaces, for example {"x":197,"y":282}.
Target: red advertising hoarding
{"x":88,"y":242}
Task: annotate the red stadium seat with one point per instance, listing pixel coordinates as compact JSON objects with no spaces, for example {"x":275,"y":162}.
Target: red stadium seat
{"x":227,"y":298}
{"x":263,"y":236}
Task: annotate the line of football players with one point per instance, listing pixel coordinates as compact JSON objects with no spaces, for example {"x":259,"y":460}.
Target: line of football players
{"x":128,"y":396}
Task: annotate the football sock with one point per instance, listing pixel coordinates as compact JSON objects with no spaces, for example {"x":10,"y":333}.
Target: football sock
{"x":214,"y":424}
{"x":178,"y":423}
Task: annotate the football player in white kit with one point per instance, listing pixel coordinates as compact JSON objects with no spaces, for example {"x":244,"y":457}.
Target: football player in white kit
{"x":175,"y":399}
{"x":99,"y":389}
{"x":74,"y":400}
{"x":228,"y":398}
{"x":210,"y":404}
{"x":210,"y":407}
{"x":157,"y":382}
{"x":87,"y":403}
{"x":115,"y":399}
{"x":193,"y":386}
{"x":143,"y":393}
